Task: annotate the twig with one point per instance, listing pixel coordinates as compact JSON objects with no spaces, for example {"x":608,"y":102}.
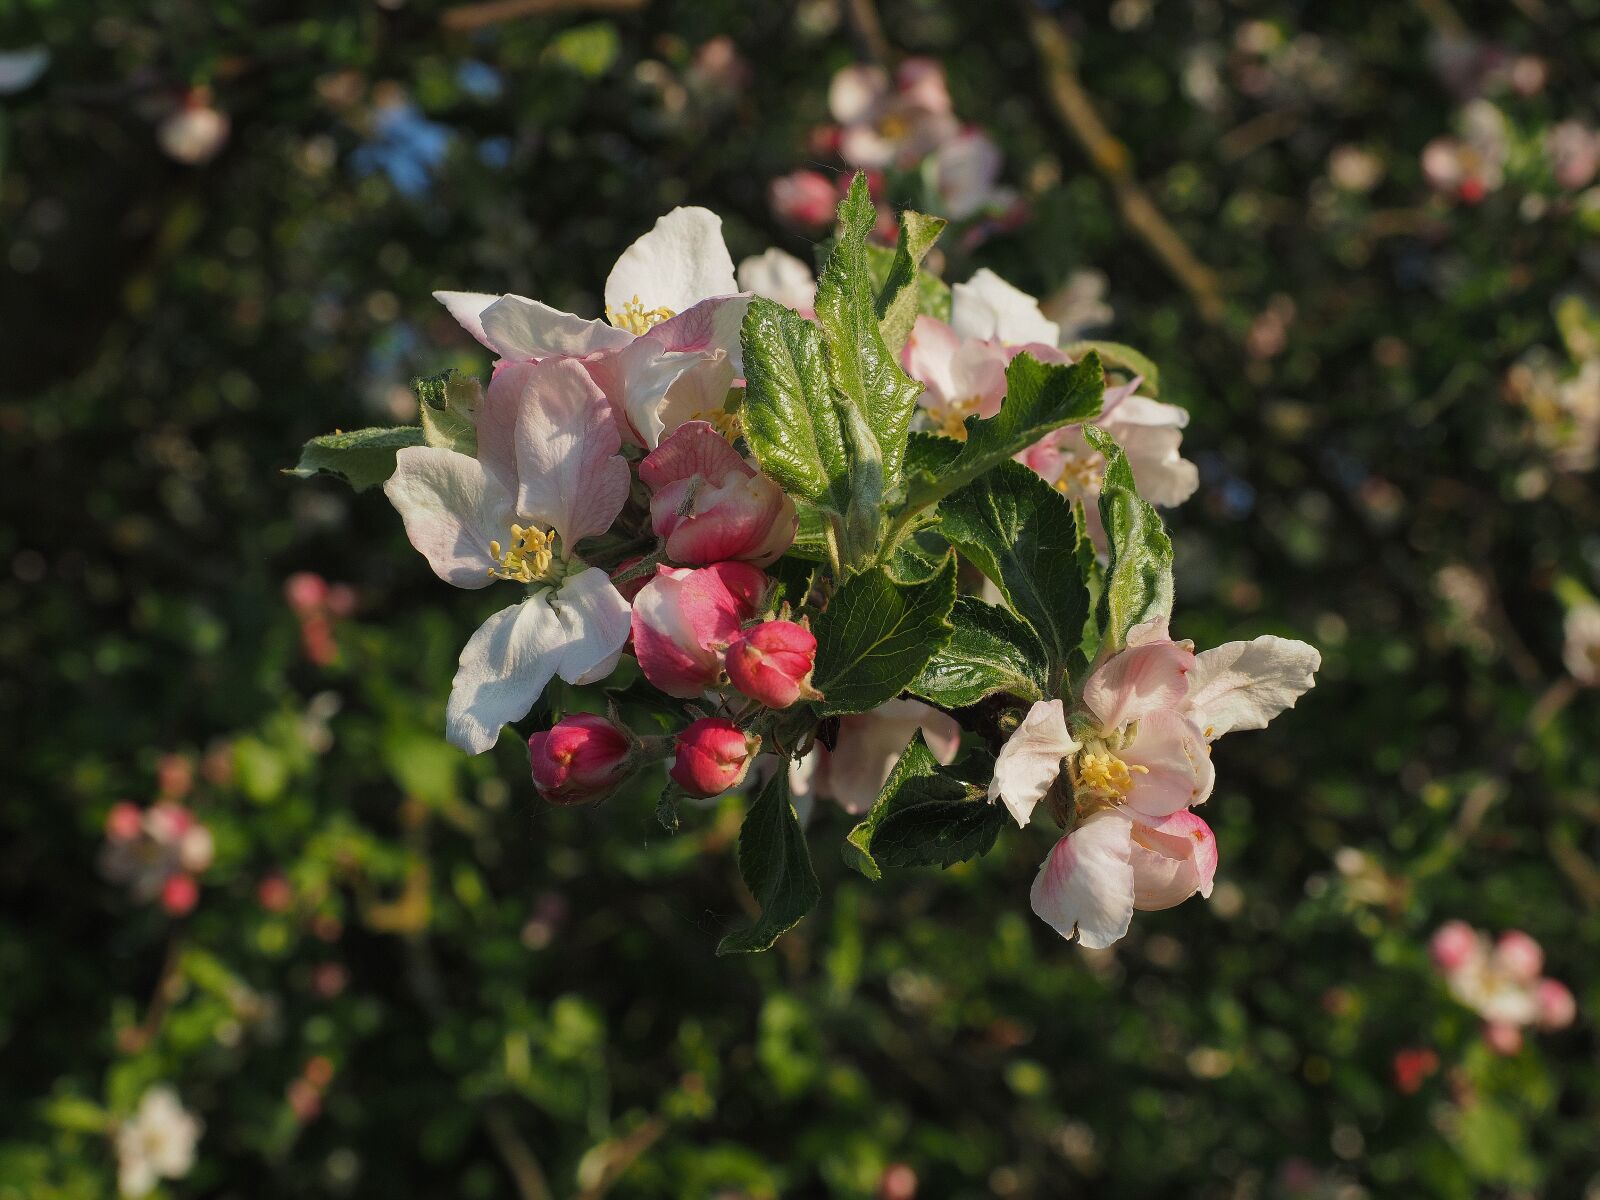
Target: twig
{"x":869,"y":29}
{"x":622,"y":1153}
{"x":161,"y":998}
{"x":519,"y":1160}
{"x":1115,"y":165}
{"x":493,"y":12}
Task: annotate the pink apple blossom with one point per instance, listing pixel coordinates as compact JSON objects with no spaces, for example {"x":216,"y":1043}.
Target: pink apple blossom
{"x":1557,"y":1007}
{"x":772,"y":663}
{"x":1501,"y":982}
{"x":146,"y":850}
{"x":712,"y":755}
{"x":779,"y":275}
{"x":966,"y":173}
{"x":1453,"y":945}
{"x":580,"y":759}
{"x":1126,"y":768}
{"x":547,"y":474}
{"x":668,"y":349}
{"x":804,"y":199}
{"x":891,"y":121}
{"x":684,"y":620}
{"x":1574,"y":151}
{"x":865,"y":751}
{"x":709,"y":505}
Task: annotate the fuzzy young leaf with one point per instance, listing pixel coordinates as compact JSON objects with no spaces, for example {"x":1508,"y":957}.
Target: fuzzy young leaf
{"x":875,"y":637}
{"x":1018,"y":530}
{"x":900,"y":294}
{"x":788,"y":416}
{"x":1040,"y":397}
{"x":363,"y":458}
{"x":924,"y":816}
{"x":1115,"y":354}
{"x":992,"y":650}
{"x":449,"y":403}
{"x":863,"y":371}
{"x":776,"y":866}
{"x":1138,"y":581}
{"x":1092,"y":573}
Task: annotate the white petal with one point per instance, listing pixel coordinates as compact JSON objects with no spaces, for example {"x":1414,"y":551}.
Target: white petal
{"x":597,"y":620}
{"x":986,"y":306}
{"x":20,"y":69}
{"x":779,"y":275}
{"x":870,"y":743}
{"x":503,"y":670}
{"x":524,"y":330}
{"x":1085,"y":887}
{"x":680,"y":262}
{"x":452,"y":508}
{"x":468,"y":308}
{"x":569,"y":474}
{"x":1243,"y":685}
{"x":1030,"y":760}
{"x":653,"y":390}
{"x":855,"y":91}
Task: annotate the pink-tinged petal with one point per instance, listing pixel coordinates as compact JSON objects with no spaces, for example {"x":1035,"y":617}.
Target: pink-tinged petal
{"x":1176,"y":762}
{"x":965,"y":171}
{"x":988,"y":307}
{"x":747,"y":518}
{"x":929,"y":354}
{"x":569,"y":474}
{"x":452,"y":509}
{"x":1172,"y":858}
{"x":855,"y":92}
{"x":1243,"y":685}
{"x":710,"y":325}
{"x":683,"y":620}
{"x":1143,"y":412}
{"x":653,"y":390}
{"x":526,"y":330}
{"x":680,"y":262}
{"x":1137,"y":681}
{"x":571,"y":631}
{"x":870,"y":743}
{"x":1030,"y":761}
{"x":503,"y":399}
{"x":979,"y":373}
{"x":468,"y":308}
{"x":1045,"y":353}
{"x":1152,"y":630}
{"x":1085,"y":887}
{"x":694,"y":448}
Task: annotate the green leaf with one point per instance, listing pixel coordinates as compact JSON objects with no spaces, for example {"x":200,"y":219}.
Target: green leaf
{"x":933,"y":293}
{"x":876,"y":635}
{"x":1138,"y":585}
{"x":1115,"y":354}
{"x":1019,"y":531}
{"x":918,"y":557}
{"x":923,"y":817}
{"x":899,"y":296}
{"x":667,"y":807}
{"x":363,"y":458}
{"x":992,"y":650}
{"x":450,"y":403}
{"x":876,"y":398}
{"x":788,"y":416}
{"x":811,"y":533}
{"x":1040,"y":397}
{"x":776,"y":866}
{"x":1092,"y":573}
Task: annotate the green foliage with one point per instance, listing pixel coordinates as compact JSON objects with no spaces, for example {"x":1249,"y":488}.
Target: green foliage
{"x":876,"y":636}
{"x":1138,"y":580}
{"x":923,"y":817}
{"x":1115,"y":354}
{"x":991,"y":650}
{"x":363,"y":458}
{"x":776,"y":866}
{"x":449,"y":404}
{"x":901,"y":294}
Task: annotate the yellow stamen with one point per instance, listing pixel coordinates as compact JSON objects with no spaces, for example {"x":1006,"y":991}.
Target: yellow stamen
{"x":529,"y":559}
{"x":1104,"y":774}
{"x":951,"y":416}
{"x":636,"y":318}
{"x":1081,"y":475}
{"x":725,"y":422}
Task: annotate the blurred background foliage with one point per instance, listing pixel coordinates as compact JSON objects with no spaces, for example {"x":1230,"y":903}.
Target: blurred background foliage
{"x":406,"y":976}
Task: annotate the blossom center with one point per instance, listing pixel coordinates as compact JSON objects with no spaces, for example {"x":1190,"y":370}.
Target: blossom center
{"x":636,"y":318}
{"x":528,"y":559}
{"x":951,"y":416}
{"x":1081,"y":474}
{"x":721,"y":419}
{"x":1101,"y":773}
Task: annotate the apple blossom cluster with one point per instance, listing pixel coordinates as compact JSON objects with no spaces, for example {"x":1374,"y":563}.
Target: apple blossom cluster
{"x":1503,"y":982}
{"x":158,"y":853}
{"x":743,"y":514}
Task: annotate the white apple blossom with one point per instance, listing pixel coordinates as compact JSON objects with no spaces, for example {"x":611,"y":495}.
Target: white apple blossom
{"x":779,"y":275}
{"x":668,"y":349}
{"x":547,"y":474}
{"x":157,"y":1142}
{"x":1581,"y":653}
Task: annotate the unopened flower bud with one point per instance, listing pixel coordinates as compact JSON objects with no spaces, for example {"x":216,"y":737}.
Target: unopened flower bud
{"x":1502,"y":1037}
{"x":772,"y":663}
{"x":713,"y":755}
{"x":1518,"y":956}
{"x":124,"y":822}
{"x":1557,"y":1008}
{"x":582,"y":758}
{"x":179,"y":895}
{"x":1453,"y":945}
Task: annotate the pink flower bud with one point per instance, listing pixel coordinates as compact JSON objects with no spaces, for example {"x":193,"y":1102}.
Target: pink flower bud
{"x":1518,"y":956}
{"x":1453,"y":946}
{"x":1502,"y":1037}
{"x":124,"y":822}
{"x":174,"y":776}
{"x":1557,"y":1008}
{"x":275,"y":894}
{"x":710,"y":505}
{"x":713,"y":755}
{"x":804,"y":199}
{"x":684,"y":620}
{"x":581,"y":759}
{"x":305,"y":592}
{"x":179,"y":895}
{"x":772,"y":663}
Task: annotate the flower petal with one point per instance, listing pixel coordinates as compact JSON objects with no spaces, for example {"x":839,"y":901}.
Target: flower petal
{"x":569,"y":474}
{"x":779,"y":275}
{"x":694,"y":448}
{"x":1172,"y":858}
{"x":1243,"y":685}
{"x":1030,"y":760}
{"x":712,"y":324}
{"x":524,"y":330}
{"x":1176,"y":761}
{"x":452,"y":508}
{"x":856,"y":91}
{"x":870,"y":743}
{"x":468,"y":308}
{"x":1085,"y":887}
{"x":929,"y":357}
{"x":596,"y":619}
{"x":986,"y":306}
{"x":1137,"y":681}
{"x":680,"y":262}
